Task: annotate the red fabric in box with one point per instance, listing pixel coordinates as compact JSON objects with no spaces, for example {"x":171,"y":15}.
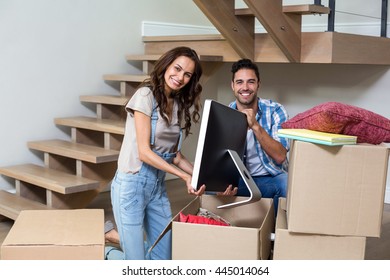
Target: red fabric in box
{"x":199,"y":220}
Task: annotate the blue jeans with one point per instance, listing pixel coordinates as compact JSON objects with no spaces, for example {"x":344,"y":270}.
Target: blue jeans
{"x":141,"y":209}
{"x":270,"y":187}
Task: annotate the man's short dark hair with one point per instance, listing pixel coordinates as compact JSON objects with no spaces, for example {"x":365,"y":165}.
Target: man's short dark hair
{"x":245,"y":64}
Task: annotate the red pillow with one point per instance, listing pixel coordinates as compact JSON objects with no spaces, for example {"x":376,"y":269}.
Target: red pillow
{"x":199,"y":220}
{"x":334,"y":117}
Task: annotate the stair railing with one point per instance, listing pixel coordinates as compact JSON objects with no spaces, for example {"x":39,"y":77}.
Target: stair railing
{"x":331,"y":16}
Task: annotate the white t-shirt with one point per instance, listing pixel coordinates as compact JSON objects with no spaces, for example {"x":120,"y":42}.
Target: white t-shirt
{"x":253,"y":162}
{"x":166,"y":136}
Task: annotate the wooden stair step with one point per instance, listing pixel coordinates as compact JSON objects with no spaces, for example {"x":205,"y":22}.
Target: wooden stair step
{"x":103,"y":125}
{"x":154,"y":57}
{"x":306,"y":9}
{"x":105,"y":99}
{"x":50,"y":179}
{"x":73,"y":150}
{"x":11,"y":205}
{"x":125,"y":78}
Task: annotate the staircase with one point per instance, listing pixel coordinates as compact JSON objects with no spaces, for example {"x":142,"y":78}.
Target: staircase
{"x":75,"y":171}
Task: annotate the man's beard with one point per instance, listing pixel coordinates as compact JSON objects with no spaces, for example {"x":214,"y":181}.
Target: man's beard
{"x":247,"y":101}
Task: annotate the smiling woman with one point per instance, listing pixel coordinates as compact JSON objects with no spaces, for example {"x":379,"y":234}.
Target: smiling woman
{"x":156,"y":113}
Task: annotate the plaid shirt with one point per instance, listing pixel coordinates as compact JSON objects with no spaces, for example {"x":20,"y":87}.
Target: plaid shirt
{"x":270,"y":116}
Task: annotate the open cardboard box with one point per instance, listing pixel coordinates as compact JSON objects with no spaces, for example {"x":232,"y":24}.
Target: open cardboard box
{"x":249,"y":237}
{"x":336,"y":190}
{"x":302,"y":246}
{"x":56,"y":235}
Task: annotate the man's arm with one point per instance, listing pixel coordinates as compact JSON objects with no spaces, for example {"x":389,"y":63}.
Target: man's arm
{"x":271,"y":147}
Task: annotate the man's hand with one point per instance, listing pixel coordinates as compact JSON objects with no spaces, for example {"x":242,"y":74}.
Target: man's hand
{"x":250,"y":117}
{"x":230,"y":191}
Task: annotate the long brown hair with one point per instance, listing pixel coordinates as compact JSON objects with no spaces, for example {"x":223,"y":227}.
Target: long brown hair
{"x":187,"y":97}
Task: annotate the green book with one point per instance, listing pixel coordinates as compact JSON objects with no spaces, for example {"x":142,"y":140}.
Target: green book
{"x":318,"y":137}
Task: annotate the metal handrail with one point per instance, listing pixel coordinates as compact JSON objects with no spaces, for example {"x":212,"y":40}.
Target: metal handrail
{"x":331,"y":16}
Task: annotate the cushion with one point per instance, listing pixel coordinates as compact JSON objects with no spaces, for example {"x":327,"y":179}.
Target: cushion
{"x":334,"y":117}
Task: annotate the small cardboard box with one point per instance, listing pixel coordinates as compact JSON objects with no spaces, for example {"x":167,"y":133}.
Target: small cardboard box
{"x":336,"y":190}
{"x":56,"y":235}
{"x":301,"y":246}
{"x":249,"y":237}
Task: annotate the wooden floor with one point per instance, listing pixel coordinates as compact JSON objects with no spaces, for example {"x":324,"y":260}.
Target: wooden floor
{"x":376,"y":248}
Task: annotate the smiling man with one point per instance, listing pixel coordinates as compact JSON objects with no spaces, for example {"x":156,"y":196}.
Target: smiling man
{"x":265,"y":153}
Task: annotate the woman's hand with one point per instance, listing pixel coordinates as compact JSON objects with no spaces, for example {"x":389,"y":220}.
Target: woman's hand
{"x":191,"y":190}
{"x":230,"y":191}
{"x":199,"y":192}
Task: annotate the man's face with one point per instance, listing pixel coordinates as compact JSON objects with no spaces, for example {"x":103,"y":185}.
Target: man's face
{"x":245,"y":86}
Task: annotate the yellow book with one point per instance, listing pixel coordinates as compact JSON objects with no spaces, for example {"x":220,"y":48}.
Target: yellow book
{"x":331,"y":139}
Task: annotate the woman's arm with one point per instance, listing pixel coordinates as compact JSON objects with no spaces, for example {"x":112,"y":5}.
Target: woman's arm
{"x":183,"y":163}
{"x":143,"y":128}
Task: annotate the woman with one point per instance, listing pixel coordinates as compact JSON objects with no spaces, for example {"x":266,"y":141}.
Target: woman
{"x":158,"y":112}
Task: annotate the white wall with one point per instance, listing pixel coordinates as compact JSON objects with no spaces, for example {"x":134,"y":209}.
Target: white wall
{"x":53,"y":51}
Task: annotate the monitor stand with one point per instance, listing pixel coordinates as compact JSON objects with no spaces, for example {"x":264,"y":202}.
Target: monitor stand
{"x":255,"y":194}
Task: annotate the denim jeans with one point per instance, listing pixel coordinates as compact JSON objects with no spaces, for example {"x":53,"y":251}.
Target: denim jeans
{"x":270,"y":187}
{"x":141,"y":209}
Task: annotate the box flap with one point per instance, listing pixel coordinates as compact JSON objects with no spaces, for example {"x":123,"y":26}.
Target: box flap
{"x":281,"y":218}
{"x":186,"y":210}
{"x":57,"y":227}
{"x":266,"y":229}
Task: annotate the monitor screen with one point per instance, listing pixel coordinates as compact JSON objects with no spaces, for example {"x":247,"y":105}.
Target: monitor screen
{"x":221,"y":145}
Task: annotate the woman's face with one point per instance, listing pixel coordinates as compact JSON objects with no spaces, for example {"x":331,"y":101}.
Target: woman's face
{"x":178,"y":73}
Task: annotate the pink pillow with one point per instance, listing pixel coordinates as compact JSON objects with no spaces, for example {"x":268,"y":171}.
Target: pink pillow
{"x":334,"y":117}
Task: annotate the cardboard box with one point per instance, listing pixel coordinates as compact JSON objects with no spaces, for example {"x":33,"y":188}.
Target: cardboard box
{"x":336,"y":190}
{"x":56,"y":235}
{"x":248,"y":238}
{"x":301,"y":246}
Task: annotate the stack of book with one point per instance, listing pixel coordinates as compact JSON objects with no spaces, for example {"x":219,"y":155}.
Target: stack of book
{"x":313,"y":136}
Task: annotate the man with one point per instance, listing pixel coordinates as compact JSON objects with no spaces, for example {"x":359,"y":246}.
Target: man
{"x":265,"y":152}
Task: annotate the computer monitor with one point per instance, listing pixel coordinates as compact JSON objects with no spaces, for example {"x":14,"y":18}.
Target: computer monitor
{"x":221,"y":146}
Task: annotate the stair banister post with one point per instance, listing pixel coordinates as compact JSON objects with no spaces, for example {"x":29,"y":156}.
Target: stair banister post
{"x":331,"y":16}
{"x":384,"y":18}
